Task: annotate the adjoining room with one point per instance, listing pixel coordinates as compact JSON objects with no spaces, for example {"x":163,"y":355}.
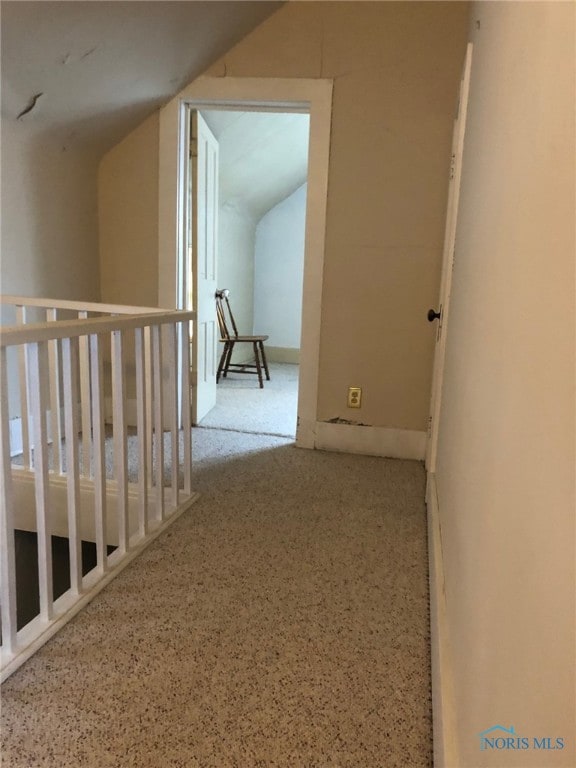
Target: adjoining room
{"x":263,"y":165}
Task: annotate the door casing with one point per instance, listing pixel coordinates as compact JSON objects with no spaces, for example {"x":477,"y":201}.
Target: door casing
{"x":259,"y":94}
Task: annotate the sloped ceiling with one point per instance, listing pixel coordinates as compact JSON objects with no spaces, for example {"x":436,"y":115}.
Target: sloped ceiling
{"x":102,"y":67}
{"x":263,"y":156}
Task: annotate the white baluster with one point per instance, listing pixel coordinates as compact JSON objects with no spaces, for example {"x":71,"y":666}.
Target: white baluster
{"x":38,"y":368}
{"x":96,"y":369}
{"x":119,"y":431}
{"x":149,"y":388}
{"x":85,"y":402}
{"x":54,"y":378}
{"x":7,"y":544}
{"x":24,"y":398}
{"x":186,"y":415}
{"x":70,"y":384}
{"x":172,"y":402}
{"x":141,"y":432}
{"x":158,"y":420}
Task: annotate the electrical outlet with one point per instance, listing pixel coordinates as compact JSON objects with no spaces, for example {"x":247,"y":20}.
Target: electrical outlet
{"x":354,"y":397}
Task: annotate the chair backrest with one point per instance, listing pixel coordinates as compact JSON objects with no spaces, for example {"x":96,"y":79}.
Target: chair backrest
{"x":226,"y":322}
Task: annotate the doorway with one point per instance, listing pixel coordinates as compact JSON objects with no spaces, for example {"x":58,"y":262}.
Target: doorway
{"x":262,"y":159}
{"x":312,"y":96}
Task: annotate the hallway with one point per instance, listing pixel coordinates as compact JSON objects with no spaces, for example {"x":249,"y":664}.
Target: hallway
{"x":281,"y":621}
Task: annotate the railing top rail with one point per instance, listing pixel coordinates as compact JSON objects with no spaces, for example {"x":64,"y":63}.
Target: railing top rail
{"x":64,"y":329}
{"x":77,"y":306}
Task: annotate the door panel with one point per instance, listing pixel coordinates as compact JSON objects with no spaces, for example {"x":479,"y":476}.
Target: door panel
{"x":448,"y":262}
{"x":204,"y":250}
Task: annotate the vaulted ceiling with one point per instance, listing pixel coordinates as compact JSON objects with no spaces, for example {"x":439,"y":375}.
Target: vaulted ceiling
{"x":263,"y":156}
{"x":87,"y":73}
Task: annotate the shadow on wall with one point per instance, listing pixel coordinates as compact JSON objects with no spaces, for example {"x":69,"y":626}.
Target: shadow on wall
{"x":49,"y":216}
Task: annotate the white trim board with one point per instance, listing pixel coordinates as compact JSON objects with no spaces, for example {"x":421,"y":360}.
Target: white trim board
{"x":23,"y":484}
{"x":372,"y":441}
{"x":443,"y":704}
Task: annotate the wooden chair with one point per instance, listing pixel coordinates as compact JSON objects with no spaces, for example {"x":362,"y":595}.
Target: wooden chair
{"x":229,"y":336}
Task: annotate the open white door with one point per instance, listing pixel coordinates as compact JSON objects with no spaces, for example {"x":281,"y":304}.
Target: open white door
{"x":442,"y":314}
{"x":203,"y":249}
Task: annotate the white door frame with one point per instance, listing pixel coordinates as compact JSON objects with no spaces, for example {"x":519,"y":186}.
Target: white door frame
{"x":281,"y":95}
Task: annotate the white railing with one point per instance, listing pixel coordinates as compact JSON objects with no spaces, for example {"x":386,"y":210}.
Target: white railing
{"x":91,"y":409}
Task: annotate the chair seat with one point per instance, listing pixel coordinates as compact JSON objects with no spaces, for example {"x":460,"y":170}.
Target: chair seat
{"x":245,"y":338}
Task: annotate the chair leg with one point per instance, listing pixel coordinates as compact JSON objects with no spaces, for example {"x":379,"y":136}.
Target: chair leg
{"x":222,"y":362}
{"x":228,"y":358}
{"x":264,"y":362}
{"x":258,"y":365}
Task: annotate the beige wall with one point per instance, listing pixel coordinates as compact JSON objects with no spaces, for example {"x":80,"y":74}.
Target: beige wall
{"x":396,"y":68}
{"x":128,"y":216}
{"x":506,"y":461}
{"x":49,"y":224}
{"x":49,"y":239}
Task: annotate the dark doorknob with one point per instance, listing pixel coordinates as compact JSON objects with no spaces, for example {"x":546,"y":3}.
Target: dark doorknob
{"x":433,"y":315}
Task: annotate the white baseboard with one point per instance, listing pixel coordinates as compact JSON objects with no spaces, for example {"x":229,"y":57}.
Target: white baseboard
{"x":282,"y":354}
{"x":372,"y":441}
{"x":443,"y":703}
{"x":24,"y":485}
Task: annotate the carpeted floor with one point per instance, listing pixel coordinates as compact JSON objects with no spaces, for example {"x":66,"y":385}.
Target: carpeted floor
{"x":282,"y":621}
{"x":241,"y":404}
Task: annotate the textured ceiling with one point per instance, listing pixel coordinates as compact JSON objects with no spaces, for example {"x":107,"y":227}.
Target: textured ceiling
{"x":263,"y":156}
{"x":102,"y":67}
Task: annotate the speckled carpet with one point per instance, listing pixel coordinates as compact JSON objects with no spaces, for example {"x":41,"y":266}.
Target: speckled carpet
{"x":282,"y":621}
{"x":241,"y":404}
